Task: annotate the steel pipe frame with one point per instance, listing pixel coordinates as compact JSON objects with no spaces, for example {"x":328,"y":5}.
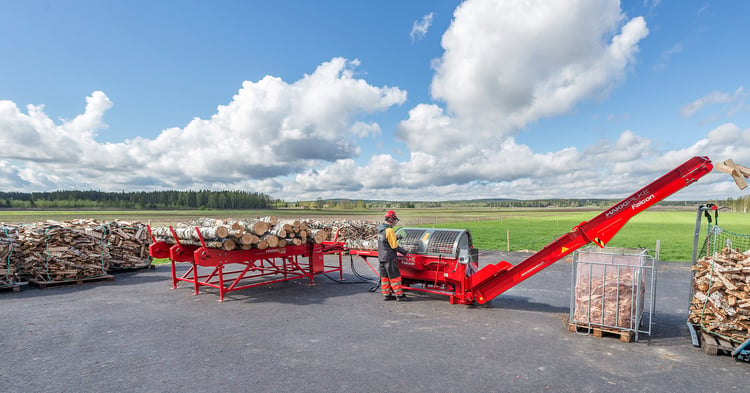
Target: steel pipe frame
{"x":289,"y":267}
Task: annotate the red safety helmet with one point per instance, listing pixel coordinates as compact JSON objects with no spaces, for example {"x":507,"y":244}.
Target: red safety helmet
{"x":390,"y":215}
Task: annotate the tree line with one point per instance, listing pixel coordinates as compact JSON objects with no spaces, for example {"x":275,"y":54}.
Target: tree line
{"x":206,"y":199}
{"x":203,"y":199}
{"x":741,"y":205}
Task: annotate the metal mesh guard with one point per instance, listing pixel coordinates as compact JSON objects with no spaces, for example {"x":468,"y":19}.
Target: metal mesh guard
{"x":442,"y":242}
{"x":410,"y":241}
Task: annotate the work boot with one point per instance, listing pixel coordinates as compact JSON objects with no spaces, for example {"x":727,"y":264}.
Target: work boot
{"x":402,"y":298}
{"x":389,"y":298}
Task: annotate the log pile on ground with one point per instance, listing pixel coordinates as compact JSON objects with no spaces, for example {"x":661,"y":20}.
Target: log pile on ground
{"x":607,"y":299}
{"x":244,"y":234}
{"x":10,"y":248}
{"x":721,"y":294}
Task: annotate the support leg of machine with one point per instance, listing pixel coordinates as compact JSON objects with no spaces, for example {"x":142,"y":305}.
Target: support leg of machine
{"x":222,"y":290}
{"x":195,"y":277}
{"x":174,"y":275}
{"x":341,"y":266}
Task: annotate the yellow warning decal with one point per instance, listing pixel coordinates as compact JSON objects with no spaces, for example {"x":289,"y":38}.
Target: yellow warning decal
{"x":564,"y":250}
{"x":599,"y":242}
{"x":425,"y":236}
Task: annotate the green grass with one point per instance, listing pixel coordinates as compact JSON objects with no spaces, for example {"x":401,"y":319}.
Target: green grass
{"x":674,"y":229}
{"x":159,"y":261}
{"x":528,"y":229}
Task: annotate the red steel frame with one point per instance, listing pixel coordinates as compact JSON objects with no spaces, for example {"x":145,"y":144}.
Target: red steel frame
{"x":445,"y":276}
{"x":241,"y":269}
{"x":432,"y":274}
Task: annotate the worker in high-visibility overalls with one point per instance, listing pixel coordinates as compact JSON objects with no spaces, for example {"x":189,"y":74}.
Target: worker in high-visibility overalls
{"x":390,"y":276}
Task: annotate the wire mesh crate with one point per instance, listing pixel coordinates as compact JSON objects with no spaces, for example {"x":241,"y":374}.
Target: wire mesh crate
{"x":613,"y":288}
{"x":9,"y":255}
{"x":720,"y":294}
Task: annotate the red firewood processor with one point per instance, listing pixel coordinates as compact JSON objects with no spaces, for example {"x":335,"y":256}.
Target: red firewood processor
{"x":439,"y":261}
{"x":443,"y":261}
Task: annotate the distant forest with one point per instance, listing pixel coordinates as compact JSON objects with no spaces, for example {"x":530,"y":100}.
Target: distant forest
{"x":253,"y":200}
{"x":137,"y":200}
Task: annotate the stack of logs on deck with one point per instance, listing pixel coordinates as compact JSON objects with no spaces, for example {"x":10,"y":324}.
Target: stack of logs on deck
{"x":70,"y":250}
{"x":264,"y":232}
{"x":358,"y":235}
{"x":721,"y":294}
{"x":244,"y":234}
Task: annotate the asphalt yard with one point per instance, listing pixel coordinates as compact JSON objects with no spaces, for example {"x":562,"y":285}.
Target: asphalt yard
{"x":137,"y":334}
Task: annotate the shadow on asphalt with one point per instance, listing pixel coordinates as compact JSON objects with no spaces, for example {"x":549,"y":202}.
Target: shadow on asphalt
{"x":298,"y":291}
{"x":30,"y":290}
{"x":522,"y":303}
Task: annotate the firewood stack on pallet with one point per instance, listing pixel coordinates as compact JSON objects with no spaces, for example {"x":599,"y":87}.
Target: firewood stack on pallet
{"x":611,"y":294}
{"x":53,"y":251}
{"x":9,"y":254}
{"x":607,"y":299}
{"x":64,"y":251}
{"x":231,"y":234}
{"x":127,"y":243}
{"x":721,"y":294}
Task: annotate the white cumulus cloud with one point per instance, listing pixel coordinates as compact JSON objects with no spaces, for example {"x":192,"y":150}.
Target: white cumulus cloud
{"x":419,"y":28}
{"x":269,"y":129}
{"x":505,"y":65}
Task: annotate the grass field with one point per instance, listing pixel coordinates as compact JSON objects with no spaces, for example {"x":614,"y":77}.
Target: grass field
{"x":674,"y":230}
{"x":491,"y":229}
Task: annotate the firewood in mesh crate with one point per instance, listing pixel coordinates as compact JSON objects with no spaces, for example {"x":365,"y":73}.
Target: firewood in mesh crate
{"x":606,"y":299}
{"x":610,"y":287}
{"x":10,"y":252}
{"x":721,"y":294}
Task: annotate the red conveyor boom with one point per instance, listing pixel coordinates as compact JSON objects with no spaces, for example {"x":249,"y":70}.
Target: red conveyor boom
{"x":492,"y":280}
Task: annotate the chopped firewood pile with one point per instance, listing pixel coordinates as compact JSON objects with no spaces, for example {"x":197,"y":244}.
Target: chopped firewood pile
{"x":57,"y":253}
{"x":607,"y":298}
{"x":261,"y":232}
{"x":127,"y":243}
{"x":721,"y":294}
{"x":70,"y":250}
{"x":358,"y":235}
{"x":9,"y":256}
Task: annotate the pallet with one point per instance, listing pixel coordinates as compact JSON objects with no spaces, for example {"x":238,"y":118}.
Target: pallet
{"x":10,"y":288}
{"x":148,"y":266}
{"x":600,"y":331}
{"x":715,"y":346}
{"x":66,"y":283}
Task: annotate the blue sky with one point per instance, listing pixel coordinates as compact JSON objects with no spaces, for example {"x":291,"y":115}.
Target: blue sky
{"x":405,"y":100}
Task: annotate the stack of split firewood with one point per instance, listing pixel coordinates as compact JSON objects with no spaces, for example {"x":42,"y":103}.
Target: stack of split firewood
{"x":64,"y":251}
{"x":358,"y":235}
{"x":127,"y":243}
{"x":10,"y":248}
{"x":230,"y":234}
{"x":607,"y":299}
{"x":721,"y":294}
{"x":71,"y":250}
